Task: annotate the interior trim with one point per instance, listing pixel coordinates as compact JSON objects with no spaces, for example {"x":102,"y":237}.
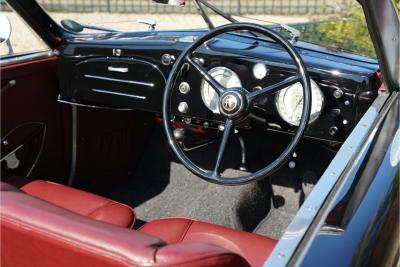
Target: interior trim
{"x":118,"y":80}
{"x":22,"y":58}
{"x":62,"y":101}
{"x":119,"y":94}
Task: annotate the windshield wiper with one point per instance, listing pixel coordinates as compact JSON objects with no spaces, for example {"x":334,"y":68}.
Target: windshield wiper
{"x":294,"y":33}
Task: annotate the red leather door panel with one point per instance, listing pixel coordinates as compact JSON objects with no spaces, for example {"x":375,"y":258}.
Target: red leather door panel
{"x":31,"y":117}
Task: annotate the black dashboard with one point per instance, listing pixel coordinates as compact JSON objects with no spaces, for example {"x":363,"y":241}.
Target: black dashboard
{"x":130,"y":72}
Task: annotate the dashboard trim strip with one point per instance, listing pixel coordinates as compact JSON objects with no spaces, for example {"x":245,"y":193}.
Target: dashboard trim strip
{"x":119,"y":94}
{"x":62,"y":101}
{"x":118,"y":80}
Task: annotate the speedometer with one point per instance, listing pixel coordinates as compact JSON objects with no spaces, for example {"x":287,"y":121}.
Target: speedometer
{"x":224,"y":76}
{"x":289,"y":103}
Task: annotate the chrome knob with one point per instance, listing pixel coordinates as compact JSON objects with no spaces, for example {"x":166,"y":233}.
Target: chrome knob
{"x":183,"y":107}
{"x":167,"y":59}
{"x":184,"y":88}
{"x":338,"y":93}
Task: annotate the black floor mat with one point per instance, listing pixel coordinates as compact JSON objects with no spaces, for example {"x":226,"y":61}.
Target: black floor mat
{"x":163,"y":187}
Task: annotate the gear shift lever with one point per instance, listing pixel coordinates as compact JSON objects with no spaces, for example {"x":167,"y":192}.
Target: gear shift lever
{"x":243,"y":163}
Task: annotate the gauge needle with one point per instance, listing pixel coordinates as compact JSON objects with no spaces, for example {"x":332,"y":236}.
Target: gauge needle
{"x":298,"y":103}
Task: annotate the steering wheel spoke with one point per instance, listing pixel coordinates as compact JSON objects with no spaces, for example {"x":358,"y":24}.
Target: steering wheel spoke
{"x":214,"y":84}
{"x":225,"y":137}
{"x":273,"y":88}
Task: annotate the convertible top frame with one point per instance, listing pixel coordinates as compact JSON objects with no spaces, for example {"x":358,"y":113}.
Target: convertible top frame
{"x":383,"y":26}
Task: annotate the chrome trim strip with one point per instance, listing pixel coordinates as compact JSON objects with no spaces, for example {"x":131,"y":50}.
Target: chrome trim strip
{"x":60,"y":100}
{"x":15,"y":59}
{"x":119,"y":94}
{"x":116,"y":69}
{"x":118,"y":80}
{"x":12,"y":152}
{"x":345,"y":157}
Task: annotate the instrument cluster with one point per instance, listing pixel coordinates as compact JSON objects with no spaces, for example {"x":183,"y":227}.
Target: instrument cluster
{"x":196,"y":101}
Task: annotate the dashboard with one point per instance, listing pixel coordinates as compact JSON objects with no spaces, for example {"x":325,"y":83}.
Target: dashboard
{"x":130,"y":72}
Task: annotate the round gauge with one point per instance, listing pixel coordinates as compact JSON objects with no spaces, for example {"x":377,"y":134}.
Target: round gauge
{"x":226,"y":77}
{"x":260,"y":71}
{"x":289,"y":103}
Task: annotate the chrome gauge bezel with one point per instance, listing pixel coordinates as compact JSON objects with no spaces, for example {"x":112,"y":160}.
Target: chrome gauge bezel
{"x":212,"y":102}
{"x":316,"y":107}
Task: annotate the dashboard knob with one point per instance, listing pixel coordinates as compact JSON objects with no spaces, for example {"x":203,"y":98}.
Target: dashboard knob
{"x":179,"y":134}
{"x":337,"y":93}
{"x":183,"y":107}
{"x":167,"y":59}
{"x":184,"y":88}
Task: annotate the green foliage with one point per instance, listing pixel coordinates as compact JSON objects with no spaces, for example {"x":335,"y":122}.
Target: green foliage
{"x":351,"y":34}
{"x":397,"y":4}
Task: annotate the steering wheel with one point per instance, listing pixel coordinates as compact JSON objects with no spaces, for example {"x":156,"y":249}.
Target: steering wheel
{"x":235,"y":104}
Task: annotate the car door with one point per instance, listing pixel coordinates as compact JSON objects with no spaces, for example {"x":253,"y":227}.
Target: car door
{"x":34,"y":131}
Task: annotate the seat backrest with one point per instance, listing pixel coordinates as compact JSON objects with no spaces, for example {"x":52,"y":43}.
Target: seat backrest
{"x":37,"y":233}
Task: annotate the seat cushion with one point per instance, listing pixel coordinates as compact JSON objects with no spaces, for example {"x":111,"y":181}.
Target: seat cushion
{"x":37,"y":233}
{"x":81,"y":202}
{"x":254,"y":248}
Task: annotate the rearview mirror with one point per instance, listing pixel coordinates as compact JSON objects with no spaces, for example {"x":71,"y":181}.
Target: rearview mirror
{"x":5,"y":29}
{"x":171,"y":2}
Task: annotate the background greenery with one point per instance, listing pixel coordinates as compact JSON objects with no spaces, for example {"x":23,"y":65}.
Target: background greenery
{"x":346,"y":33}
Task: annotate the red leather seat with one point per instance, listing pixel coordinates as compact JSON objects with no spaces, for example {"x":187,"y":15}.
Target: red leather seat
{"x":81,"y":202}
{"x":37,"y":233}
{"x":254,"y":248}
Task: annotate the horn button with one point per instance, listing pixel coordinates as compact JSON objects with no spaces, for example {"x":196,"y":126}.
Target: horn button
{"x":232,"y":104}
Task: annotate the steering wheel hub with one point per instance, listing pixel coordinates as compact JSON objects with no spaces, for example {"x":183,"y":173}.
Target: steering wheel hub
{"x":232,"y":103}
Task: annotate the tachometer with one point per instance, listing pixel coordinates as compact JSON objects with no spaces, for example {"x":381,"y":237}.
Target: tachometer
{"x":226,"y":77}
{"x":289,"y":103}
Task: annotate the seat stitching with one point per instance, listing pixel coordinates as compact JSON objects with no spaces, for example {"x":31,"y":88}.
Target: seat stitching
{"x":186,"y":231}
{"x":132,"y":211}
{"x":113,"y":203}
{"x":107,"y":204}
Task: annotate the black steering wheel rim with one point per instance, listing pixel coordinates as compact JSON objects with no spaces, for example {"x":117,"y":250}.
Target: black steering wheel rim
{"x":302,"y":77}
